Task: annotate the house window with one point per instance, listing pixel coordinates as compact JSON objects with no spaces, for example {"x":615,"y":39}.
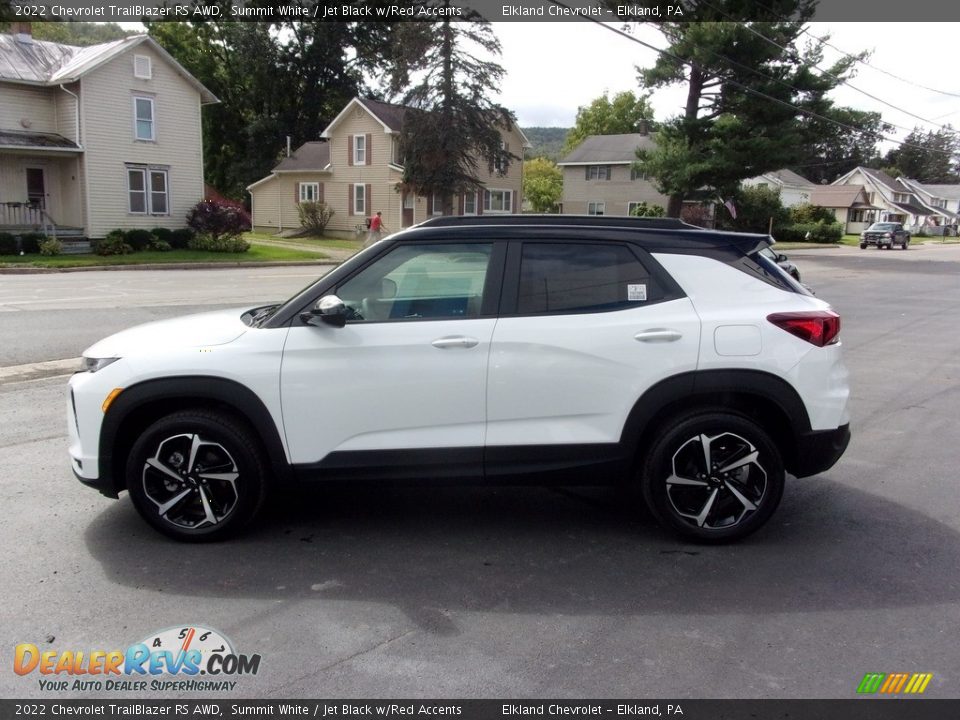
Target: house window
{"x":598,"y":172}
{"x":855,"y":216}
{"x":636,"y":174}
{"x":901,"y":197}
{"x":470,"y":203}
{"x":596,"y":208}
{"x":359,"y":199}
{"x":309,"y":192}
{"x":497,"y":201}
{"x":436,"y":202}
{"x":143,"y":119}
{"x":141,"y":67}
{"x":500,"y":163}
{"x":359,"y":150}
{"x":148,"y":191}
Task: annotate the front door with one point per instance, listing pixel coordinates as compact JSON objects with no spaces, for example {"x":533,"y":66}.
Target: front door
{"x":407,"y":219}
{"x":403,"y":384}
{"x":36,"y":188}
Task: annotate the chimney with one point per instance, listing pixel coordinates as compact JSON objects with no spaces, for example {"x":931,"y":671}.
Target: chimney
{"x":644,"y":128}
{"x":23,"y":31}
{"x":288,"y":146}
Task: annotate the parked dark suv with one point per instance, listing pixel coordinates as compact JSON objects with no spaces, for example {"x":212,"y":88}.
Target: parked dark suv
{"x":885,"y":235}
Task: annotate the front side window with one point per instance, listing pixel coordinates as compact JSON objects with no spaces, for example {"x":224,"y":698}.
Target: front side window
{"x":148,"y":191}
{"x":497,"y":201}
{"x":359,"y":150}
{"x":470,"y":203}
{"x":420,"y":282}
{"x":436,"y":200}
{"x":596,"y":208}
{"x":575,"y":278}
{"x":359,"y":199}
{"x":309,"y":192}
{"x":143,"y":119}
{"x":598,"y":172}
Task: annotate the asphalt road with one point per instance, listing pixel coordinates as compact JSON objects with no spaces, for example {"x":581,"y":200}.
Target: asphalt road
{"x":534,"y":592}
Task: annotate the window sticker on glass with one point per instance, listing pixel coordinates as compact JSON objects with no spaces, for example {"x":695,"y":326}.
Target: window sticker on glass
{"x":637,"y":292}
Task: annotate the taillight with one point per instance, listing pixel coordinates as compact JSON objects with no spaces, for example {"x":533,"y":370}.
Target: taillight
{"x":819,"y":327}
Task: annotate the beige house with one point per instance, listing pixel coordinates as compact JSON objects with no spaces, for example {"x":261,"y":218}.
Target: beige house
{"x":97,"y":138}
{"x":599,"y":178}
{"x":355,"y":169}
{"x":794,"y":189}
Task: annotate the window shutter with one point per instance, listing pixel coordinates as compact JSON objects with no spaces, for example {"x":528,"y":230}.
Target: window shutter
{"x":349,"y":199}
{"x":296,"y":192}
{"x":320,"y":193}
{"x":368,"y":208}
{"x":460,"y":201}
{"x":369,"y":152}
{"x":349,"y":149}
{"x":430,"y":204}
{"x":586,"y":175}
{"x":513,"y":202}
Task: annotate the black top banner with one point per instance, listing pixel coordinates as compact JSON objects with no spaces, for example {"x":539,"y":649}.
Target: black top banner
{"x":613,"y":11}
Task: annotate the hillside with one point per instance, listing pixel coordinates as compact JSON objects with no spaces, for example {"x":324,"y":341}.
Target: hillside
{"x":546,"y":141}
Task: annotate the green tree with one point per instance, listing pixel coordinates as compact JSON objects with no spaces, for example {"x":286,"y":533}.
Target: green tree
{"x":542,"y":184}
{"x":755,"y":207}
{"x":80,"y":34}
{"x":927,"y":156}
{"x":833,"y":150}
{"x":645,"y":210}
{"x":745,"y":82}
{"x":453,"y":125}
{"x":626,"y":113}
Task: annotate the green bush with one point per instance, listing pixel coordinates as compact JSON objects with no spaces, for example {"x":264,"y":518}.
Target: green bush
{"x":819,"y":232}
{"x":314,"y":216}
{"x":644,"y":210}
{"x":8,"y":244}
{"x":162,"y":234}
{"x":223,"y":243}
{"x":113,"y":244}
{"x":160,"y":246}
{"x":51,"y":246}
{"x":139,"y":240}
{"x":180,"y":239}
{"x":807,"y":213}
{"x":30,"y":243}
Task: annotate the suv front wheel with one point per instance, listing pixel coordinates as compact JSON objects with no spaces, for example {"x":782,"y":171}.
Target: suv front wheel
{"x":196,"y":475}
{"x":712,"y":476}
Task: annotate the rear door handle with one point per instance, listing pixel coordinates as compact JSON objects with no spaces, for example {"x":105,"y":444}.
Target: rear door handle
{"x":455,"y":341}
{"x":657,"y":335}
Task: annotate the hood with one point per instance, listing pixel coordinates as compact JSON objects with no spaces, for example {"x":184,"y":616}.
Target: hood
{"x":210,"y":328}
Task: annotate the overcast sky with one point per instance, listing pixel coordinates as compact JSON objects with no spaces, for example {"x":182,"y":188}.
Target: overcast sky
{"x":553,"y":68}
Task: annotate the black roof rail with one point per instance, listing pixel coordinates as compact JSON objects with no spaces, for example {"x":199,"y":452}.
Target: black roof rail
{"x":554,"y":219}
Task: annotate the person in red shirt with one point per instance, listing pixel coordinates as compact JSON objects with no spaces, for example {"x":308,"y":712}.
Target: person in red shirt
{"x":376,"y":228}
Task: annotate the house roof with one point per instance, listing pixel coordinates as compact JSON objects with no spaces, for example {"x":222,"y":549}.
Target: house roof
{"x":312,"y":156}
{"x":38,"y":62}
{"x":789,"y":177}
{"x":914,"y":209}
{"x":947,"y":192}
{"x":36,"y":140}
{"x":881,"y":178}
{"x":609,"y":149}
{"x":835,"y":195}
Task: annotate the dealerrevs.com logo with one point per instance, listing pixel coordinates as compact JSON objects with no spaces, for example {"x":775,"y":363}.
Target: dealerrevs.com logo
{"x":168,"y":660}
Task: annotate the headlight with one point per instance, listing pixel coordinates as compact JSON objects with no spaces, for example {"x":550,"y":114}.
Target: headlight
{"x":863,"y":235}
{"x":887,"y":235}
{"x":94,"y":364}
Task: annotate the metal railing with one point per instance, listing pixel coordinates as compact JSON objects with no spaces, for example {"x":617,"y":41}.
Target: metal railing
{"x":27,"y":215}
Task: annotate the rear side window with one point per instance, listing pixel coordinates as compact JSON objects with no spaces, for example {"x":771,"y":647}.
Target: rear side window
{"x":575,"y":278}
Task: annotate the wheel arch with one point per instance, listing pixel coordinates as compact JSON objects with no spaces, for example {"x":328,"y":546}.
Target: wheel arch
{"x":765,"y":398}
{"x":140,"y":405}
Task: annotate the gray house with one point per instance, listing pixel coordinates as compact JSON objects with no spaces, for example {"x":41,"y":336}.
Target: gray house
{"x":599,"y":178}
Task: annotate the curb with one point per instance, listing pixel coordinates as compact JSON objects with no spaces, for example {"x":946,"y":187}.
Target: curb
{"x":167,"y":266}
{"x":38,"y":370}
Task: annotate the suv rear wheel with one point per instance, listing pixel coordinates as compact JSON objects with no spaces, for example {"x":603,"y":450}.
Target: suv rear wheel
{"x":712,"y":476}
{"x":197,"y":475}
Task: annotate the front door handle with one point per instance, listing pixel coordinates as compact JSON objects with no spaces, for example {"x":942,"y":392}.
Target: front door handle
{"x":455,"y":341}
{"x":655,"y":335}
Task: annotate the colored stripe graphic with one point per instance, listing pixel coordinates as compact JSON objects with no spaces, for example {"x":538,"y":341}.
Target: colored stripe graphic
{"x":894,"y":683}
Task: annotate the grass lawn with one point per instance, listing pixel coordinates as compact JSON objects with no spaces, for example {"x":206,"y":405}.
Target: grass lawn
{"x":319,"y":243}
{"x":256,"y":253}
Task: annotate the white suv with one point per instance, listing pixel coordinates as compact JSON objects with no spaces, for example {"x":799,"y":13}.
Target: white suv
{"x":544,"y":349}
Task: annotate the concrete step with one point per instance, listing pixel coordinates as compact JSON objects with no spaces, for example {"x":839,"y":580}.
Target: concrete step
{"x":74,"y":247}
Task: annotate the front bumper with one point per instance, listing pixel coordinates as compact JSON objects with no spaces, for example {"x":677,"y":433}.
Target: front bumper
{"x":819,"y":450}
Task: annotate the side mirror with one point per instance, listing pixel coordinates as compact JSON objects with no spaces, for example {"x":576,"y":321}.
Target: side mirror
{"x":329,"y":310}
{"x":781,"y":257}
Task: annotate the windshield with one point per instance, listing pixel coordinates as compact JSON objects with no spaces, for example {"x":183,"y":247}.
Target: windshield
{"x":883,"y":226}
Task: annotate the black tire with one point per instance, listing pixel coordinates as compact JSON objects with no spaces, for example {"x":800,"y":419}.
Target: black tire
{"x":743,"y":499}
{"x":906,"y":244}
{"x":209,"y":460}
{"x":863,"y":246}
